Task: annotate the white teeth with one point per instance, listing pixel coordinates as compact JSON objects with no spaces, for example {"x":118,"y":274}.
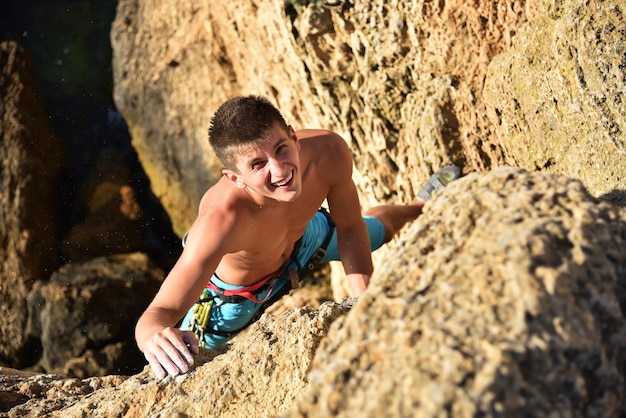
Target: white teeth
{"x":284,"y":182}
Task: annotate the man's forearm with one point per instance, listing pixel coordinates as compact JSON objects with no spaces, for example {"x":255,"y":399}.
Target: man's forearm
{"x":151,"y":322}
{"x":355,"y":253}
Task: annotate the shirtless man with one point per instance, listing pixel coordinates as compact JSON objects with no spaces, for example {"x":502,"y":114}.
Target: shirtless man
{"x":258,"y":225}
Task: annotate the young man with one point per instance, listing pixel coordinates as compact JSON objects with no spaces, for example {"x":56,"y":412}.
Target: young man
{"x":260,"y":226}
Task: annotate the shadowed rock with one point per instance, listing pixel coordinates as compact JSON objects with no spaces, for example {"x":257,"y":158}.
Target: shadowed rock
{"x":84,"y":316}
{"x":31,"y":161}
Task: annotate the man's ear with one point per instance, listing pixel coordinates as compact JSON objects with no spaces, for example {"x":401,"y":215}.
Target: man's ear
{"x":233,"y":178}
{"x":292,"y":134}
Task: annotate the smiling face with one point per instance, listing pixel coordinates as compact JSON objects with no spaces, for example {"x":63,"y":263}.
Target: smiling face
{"x":269,"y":170}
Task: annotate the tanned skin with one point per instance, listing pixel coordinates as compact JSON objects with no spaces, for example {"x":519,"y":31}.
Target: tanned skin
{"x":248,"y":223}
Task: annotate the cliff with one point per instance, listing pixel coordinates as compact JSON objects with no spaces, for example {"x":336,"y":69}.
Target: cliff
{"x":411,"y":86}
{"x":505,"y":298}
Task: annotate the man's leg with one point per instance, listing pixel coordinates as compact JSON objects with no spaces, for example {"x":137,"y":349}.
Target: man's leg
{"x":394,"y":217}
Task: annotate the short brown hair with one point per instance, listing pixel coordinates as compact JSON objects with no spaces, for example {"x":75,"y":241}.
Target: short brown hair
{"x":241,"y":122}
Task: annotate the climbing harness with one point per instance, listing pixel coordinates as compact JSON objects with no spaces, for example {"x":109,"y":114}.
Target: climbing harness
{"x":199,"y":323}
{"x":296,"y":277}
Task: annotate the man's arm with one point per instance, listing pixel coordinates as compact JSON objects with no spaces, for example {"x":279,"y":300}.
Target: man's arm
{"x":352,"y":236}
{"x":166,"y":348}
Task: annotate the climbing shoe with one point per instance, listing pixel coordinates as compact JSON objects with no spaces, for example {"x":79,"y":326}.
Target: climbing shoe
{"x":438,"y":181}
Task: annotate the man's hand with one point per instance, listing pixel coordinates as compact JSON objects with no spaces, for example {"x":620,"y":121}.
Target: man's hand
{"x":170,"y":351}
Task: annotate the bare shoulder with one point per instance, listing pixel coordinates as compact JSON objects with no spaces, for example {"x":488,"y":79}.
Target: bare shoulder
{"x":320,"y":138}
{"x":325,"y":148}
{"x":219,"y":217}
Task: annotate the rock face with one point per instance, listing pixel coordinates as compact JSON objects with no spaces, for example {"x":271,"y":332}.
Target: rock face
{"x":411,"y":86}
{"x":84,"y":316}
{"x":506,"y":298}
{"x":557,"y":97}
{"x":401,"y":81}
{"x":32,"y":159}
{"x":42,"y":395}
{"x":261,"y":374}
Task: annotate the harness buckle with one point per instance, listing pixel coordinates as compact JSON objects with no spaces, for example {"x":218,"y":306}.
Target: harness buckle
{"x":316,"y":259}
{"x":294,"y":279}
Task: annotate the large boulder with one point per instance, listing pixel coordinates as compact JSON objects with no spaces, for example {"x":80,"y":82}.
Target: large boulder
{"x":32,"y":158}
{"x":506,"y":298}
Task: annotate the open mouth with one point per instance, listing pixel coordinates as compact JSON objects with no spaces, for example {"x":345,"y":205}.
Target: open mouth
{"x":285,"y":182}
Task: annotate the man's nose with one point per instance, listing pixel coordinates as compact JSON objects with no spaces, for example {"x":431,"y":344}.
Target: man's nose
{"x":276,"y":166}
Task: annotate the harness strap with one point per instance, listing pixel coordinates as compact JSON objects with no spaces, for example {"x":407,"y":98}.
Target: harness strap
{"x":248,"y":292}
{"x":319,"y":254}
{"x":238,"y":295}
{"x":199,"y":323}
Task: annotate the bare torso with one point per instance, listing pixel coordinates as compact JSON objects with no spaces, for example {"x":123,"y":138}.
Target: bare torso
{"x":290,"y":176}
{"x":264,"y":236}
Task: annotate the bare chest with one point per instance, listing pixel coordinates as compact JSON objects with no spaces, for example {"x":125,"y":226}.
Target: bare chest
{"x":274,"y":230}
{"x":266,"y":242}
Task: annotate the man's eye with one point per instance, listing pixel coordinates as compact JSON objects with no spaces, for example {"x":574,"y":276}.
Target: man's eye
{"x":258,"y":165}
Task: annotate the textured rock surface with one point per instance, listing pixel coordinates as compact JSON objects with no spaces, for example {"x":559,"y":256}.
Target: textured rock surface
{"x":401,"y":81}
{"x":31,"y":161}
{"x":557,"y":97}
{"x":41,"y":395}
{"x":260,"y":375}
{"x":84,"y":316}
{"x":505,"y":298}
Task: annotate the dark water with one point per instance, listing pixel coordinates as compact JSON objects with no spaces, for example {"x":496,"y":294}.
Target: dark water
{"x":70,"y":46}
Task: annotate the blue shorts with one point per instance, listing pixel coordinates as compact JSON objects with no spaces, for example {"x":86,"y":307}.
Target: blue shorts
{"x":225,"y":317}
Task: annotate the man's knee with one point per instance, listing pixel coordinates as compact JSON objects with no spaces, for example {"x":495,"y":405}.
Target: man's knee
{"x":394,"y":217}
{"x":390,"y":231}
